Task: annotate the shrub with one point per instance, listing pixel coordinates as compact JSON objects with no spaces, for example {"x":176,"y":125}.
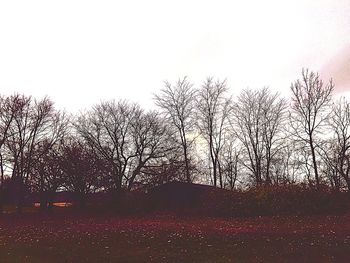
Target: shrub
{"x":276,"y":200}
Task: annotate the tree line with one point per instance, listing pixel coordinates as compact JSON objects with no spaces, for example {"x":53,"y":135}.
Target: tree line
{"x":197,"y":134}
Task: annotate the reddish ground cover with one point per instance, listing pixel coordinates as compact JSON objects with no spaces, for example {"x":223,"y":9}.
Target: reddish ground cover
{"x":166,"y":238}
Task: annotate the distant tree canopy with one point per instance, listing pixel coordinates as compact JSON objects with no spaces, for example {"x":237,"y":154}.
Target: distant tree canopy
{"x":200,"y":134}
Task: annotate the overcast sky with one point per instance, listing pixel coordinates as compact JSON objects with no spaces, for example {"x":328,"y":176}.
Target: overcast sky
{"x":81,"y":52}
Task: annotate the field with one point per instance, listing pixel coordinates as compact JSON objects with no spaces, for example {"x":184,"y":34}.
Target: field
{"x":167,"y":238}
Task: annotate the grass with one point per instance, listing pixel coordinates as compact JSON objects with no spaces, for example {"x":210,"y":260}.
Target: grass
{"x":68,"y":237}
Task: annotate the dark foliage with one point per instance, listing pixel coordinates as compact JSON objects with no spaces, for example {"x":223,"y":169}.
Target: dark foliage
{"x":196,"y":199}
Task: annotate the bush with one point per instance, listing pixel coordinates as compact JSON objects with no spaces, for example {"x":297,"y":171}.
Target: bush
{"x":194,"y":199}
{"x":275,"y":200}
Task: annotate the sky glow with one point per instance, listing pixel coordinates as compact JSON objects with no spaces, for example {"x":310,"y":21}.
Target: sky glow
{"x":81,"y":52}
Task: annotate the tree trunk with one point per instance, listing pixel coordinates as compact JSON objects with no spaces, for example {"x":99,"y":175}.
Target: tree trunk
{"x":81,"y":200}
{"x":268,"y":164}
{"x":347,"y":180}
{"x":313,"y":154}
{"x":187,"y":166}
{"x":135,"y":173}
{"x":214,"y":174}
{"x":220,"y":175}
{"x":50,"y":199}
{"x":2,"y":179}
{"x":43,"y":201}
{"x":1,"y":202}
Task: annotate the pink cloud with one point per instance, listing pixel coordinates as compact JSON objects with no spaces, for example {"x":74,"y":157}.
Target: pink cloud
{"x":338,"y":68}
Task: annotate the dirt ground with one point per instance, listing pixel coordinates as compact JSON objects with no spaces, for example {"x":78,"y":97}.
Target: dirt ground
{"x":168,"y":238}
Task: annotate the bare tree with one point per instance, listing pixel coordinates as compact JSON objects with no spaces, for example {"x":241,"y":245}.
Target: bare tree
{"x":32,"y":125}
{"x":213,"y":110}
{"x":48,"y":175}
{"x":337,"y":154}
{"x":330,"y":153}
{"x":310,"y":102}
{"x":257,"y":121}
{"x":152,"y":141}
{"x":126,"y":137}
{"x":7,"y":111}
{"x":45,"y":171}
{"x":8,"y":108}
{"x":230,"y":162}
{"x":177,"y":102}
{"x":286,"y":164}
{"x":274,"y":109}
{"x":81,"y":169}
{"x":164,"y":171}
{"x":106,"y":128}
